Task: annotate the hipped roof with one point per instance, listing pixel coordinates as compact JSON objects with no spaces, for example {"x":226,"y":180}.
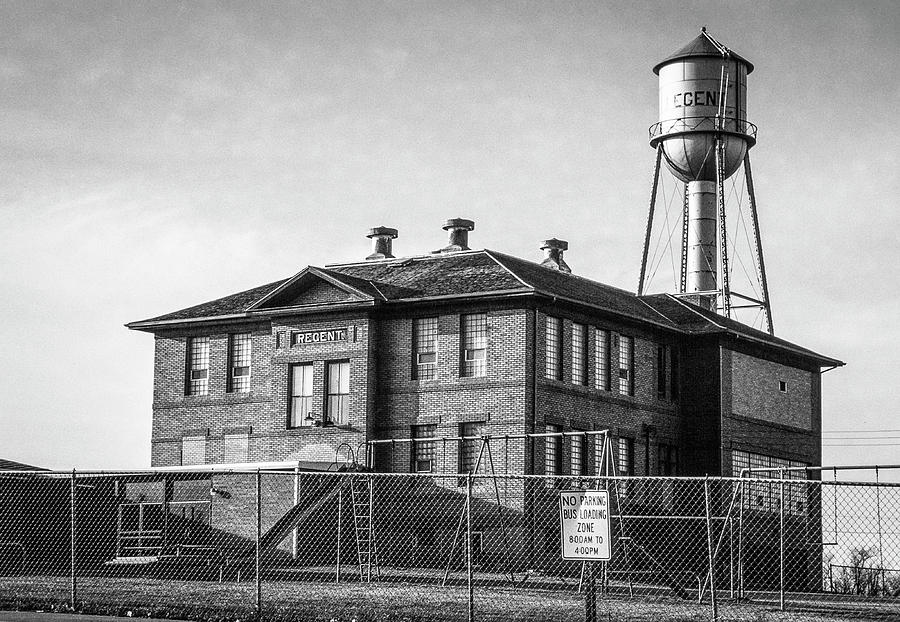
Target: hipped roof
{"x":466,"y":275}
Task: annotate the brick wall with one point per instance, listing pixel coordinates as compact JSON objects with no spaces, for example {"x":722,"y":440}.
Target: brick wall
{"x":586,"y":407}
{"x":756,"y":392}
{"x":758,"y":417}
{"x":512,"y":398}
{"x":497,"y":398}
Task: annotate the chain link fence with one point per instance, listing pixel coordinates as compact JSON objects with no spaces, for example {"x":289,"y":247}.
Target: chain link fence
{"x":351,"y":545}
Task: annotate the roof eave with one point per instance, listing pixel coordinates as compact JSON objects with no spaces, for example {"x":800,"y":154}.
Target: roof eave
{"x":150,"y":326}
{"x":821,"y":359}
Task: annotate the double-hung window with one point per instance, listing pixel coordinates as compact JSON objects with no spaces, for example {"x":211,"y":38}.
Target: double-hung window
{"x":301,"y":395}
{"x":661,"y":369}
{"x":579,"y":354}
{"x":625,"y":456}
{"x":601,"y":359}
{"x":197,"y":382}
{"x":240,"y":348}
{"x":552,"y":454}
{"x":576,"y":455}
{"x":553,"y":348}
{"x":337,"y":405}
{"x":423,"y":450}
{"x":474,"y":344}
{"x":470,"y":448}
{"x":425,"y":333}
{"x":673,"y":370}
{"x":626,"y":365}
{"x":667,"y":459}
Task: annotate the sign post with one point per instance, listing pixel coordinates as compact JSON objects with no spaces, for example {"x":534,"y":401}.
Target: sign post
{"x":585,"y":536}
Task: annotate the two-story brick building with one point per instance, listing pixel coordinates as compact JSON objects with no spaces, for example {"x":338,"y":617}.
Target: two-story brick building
{"x":450,"y":346}
{"x":462,"y":342}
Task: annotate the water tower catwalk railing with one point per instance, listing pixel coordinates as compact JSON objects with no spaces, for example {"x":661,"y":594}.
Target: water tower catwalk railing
{"x":673,"y":127}
{"x":703,"y":138}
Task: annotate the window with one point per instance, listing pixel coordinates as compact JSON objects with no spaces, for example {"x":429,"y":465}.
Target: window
{"x":553,"y":348}
{"x":579,"y":354}
{"x":661,"y":359}
{"x":474,"y":345}
{"x":239,"y":368}
{"x":337,"y":406}
{"x":782,"y":386}
{"x":599,"y":442}
{"x":425,"y":333}
{"x":625,"y":456}
{"x":470,"y":448}
{"x":197,"y":366}
{"x":237,"y":448}
{"x":552,"y":454}
{"x":765,"y":496}
{"x":601,"y":356}
{"x":576,"y":455}
{"x":667,"y":463}
{"x":301,"y":395}
{"x":673,"y":383}
{"x":423,"y":451}
{"x":626,"y":365}
{"x":193,"y":450}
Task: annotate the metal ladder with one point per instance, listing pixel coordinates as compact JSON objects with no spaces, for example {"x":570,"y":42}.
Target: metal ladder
{"x":361,"y":496}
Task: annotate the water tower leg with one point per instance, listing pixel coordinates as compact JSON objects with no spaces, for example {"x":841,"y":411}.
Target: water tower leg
{"x":685,"y":219}
{"x":650,"y":220}
{"x":723,"y":279}
{"x":760,"y":263}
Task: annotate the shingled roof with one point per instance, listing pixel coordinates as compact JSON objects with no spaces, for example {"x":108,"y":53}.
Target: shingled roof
{"x":11,"y":465}
{"x":469,"y":275}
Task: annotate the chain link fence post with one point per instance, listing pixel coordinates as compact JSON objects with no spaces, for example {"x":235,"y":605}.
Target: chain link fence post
{"x":73,"y":586}
{"x":590,"y":593}
{"x":471,"y":616}
{"x":258,"y":542}
{"x":709,"y":545}
{"x":781,"y":541}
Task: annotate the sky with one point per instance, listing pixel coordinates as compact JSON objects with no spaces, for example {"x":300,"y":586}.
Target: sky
{"x":156,"y":155}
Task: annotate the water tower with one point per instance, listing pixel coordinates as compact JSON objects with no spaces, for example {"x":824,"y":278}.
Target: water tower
{"x":704,"y":138}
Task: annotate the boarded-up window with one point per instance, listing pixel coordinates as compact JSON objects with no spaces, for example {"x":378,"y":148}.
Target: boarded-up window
{"x":193,"y":450}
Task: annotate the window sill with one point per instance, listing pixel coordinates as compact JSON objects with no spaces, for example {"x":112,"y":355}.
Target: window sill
{"x":322,"y":428}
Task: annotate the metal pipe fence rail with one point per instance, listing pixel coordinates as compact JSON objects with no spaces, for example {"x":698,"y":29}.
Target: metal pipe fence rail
{"x":287,"y":545}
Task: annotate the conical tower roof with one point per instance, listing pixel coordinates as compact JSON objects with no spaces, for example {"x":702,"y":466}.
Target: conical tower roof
{"x":703,"y":45}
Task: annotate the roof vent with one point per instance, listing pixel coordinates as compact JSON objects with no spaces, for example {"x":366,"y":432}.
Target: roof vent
{"x":553,"y":254}
{"x":381,"y":242}
{"x":458,"y":229}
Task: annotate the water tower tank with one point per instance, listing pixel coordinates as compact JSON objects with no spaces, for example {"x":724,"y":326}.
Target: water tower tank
{"x":702,"y":94}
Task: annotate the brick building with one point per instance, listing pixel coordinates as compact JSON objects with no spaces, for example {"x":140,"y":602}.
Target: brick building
{"x":462,"y":342}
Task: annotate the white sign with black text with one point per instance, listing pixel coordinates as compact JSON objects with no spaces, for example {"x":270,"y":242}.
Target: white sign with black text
{"x":584,"y":525}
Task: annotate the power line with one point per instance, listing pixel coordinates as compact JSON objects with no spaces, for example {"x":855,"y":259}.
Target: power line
{"x":857,"y":431}
{"x":861,"y":445}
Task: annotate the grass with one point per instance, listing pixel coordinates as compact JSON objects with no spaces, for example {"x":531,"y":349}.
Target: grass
{"x":394,"y":601}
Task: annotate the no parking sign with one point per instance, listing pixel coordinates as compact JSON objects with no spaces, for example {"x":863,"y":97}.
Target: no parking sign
{"x":584,"y":525}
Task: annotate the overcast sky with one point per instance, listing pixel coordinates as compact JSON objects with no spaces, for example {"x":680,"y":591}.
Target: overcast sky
{"x":156,"y":155}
